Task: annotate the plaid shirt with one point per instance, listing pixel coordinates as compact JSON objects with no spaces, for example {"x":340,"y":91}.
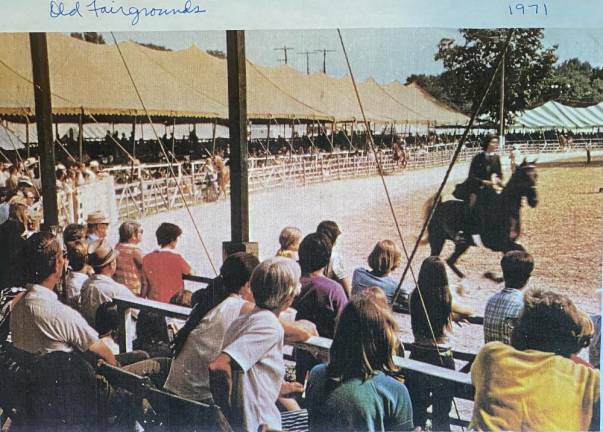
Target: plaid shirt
{"x":502,"y":310}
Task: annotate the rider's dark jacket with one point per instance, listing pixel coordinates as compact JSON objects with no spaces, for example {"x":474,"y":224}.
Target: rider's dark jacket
{"x":482,"y":167}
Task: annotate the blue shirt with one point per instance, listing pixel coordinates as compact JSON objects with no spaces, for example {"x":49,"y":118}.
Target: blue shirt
{"x":363,"y":279}
{"x":378,"y":404}
{"x":502,"y":311}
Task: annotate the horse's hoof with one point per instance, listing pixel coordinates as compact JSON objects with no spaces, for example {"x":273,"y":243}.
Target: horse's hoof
{"x":491,"y":276}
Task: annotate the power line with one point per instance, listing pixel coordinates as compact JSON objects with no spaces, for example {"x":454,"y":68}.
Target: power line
{"x":307,"y":54}
{"x":324,"y":58}
{"x":284,"y":49}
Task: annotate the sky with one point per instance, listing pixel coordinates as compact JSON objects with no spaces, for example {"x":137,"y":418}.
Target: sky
{"x":383,"y":54}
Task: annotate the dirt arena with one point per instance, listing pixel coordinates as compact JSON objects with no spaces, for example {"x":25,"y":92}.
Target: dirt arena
{"x":564,"y":233}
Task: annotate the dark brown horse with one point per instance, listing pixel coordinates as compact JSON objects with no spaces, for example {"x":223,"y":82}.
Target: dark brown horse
{"x":501,"y":217}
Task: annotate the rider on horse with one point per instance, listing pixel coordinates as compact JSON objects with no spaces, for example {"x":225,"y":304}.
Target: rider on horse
{"x":485,"y":172}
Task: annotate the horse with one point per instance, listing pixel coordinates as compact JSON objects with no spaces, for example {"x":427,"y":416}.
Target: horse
{"x":223,"y":175}
{"x":501,"y":211}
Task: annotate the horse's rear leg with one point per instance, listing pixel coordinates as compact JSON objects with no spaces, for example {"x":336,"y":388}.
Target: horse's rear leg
{"x":436,"y":242}
{"x":459,"y":249}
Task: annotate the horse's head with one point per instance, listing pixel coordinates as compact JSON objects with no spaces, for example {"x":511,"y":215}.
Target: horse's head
{"x":524,"y":181}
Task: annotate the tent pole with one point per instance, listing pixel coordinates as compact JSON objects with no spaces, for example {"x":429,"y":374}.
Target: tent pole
{"x":80,"y":138}
{"x":27,"y":135}
{"x":268,"y":134}
{"x":213,"y":138}
{"x":134,"y":137}
{"x":174,"y":139}
{"x":292,"y":135}
{"x":41,"y":84}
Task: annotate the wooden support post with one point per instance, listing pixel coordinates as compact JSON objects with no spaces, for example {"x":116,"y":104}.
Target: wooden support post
{"x":41,"y":84}
{"x":134,"y":139}
{"x":333,"y":136}
{"x":237,"y":116}
{"x":268,"y":136}
{"x":80,"y":138}
{"x":174,"y":139}
{"x":292,"y":136}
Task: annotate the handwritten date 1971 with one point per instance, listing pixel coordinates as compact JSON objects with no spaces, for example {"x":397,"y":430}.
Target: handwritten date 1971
{"x":97,"y":8}
{"x":528,"y":9}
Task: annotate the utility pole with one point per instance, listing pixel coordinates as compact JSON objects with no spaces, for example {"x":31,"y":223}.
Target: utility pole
{"x":284,"y":49}
{"x":237,"y":123}
{"x":307,"y":54}
{"x":324,"y":58}
{"x":41,"y":84}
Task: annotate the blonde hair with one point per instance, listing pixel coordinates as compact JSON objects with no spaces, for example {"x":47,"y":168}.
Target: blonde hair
{"x":289,"y":237}
{"x":274,"y":281}
{"x":376,"y":295}
{"x":384,"y":258}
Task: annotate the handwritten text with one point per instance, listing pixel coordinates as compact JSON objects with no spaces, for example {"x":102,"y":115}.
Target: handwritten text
{"x":528,"y":9}
{"x":100,"y":8}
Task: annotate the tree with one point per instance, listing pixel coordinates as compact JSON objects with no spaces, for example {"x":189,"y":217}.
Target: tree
{"x":216,"y":53}
{"x":91,"y":37}
{"x":469,"y":67}
{"x":154,"y":46}
{"x":575,"y":83}
{"x":439,"y":87}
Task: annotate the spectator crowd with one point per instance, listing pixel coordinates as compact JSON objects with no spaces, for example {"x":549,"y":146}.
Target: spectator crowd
{"x":529,"y":375}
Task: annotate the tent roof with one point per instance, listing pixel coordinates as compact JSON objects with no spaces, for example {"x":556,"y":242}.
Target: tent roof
{"x":191,"y":85}
{"x":556,"y":115}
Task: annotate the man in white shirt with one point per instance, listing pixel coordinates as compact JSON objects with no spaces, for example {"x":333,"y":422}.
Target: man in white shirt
{"x":100,"y":288}
{"x":39,"y":322}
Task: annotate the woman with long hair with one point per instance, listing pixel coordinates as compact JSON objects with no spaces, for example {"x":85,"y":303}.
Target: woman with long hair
{"x":431,"y":313}
{"x":355,"y":390}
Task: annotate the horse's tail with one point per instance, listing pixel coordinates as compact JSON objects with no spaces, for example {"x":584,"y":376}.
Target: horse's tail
{"x":429,"y":204}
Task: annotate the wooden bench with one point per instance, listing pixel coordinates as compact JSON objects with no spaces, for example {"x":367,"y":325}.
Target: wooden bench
{"x":316,"y":345}
{"x":171,"y":411}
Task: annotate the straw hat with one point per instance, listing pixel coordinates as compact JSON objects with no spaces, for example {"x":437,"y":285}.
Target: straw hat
{"x":101,"y":254}
{"x":97,"y":217}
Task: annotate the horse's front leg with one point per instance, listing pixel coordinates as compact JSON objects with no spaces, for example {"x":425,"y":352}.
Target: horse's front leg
{"x":459,"y":249}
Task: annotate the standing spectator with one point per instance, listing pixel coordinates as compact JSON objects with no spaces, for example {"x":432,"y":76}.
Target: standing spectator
{"x":252,"y":353}
{"x":532,"y":384}
{"x":289,"y":240}
{"x":384,"y":259}
{"x":100,"y":287}
{"x":164,"y":267}
{"x":321,"y":299}
{"x":79,"y":271}
{"x":129,"y":259}
{"x":39,"y":322}
{"x":354,"y":391}
{"x":12,"y":183}
{"x":431,"y":313}
{"x":335,"y":269}
{"x":98,"y":225}
{"x":504,"y":308}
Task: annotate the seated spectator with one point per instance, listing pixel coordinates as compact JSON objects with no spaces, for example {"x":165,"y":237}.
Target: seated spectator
{"x":152,"y":334}
{"x":100,"y":287}
{"x":532,"y":384}
{"x":384,"y":259}
{"x":289,"y":240}
{"x":431,"y":313}
{"x":335,"y":269}
{"x":12,"y":239}
{"x":129,"y":259}
{"x":321,"y":299}
{"x":39,"y":322}
{"x":199,"y":342}
{"x":252,"y":352}
{"x":98,"y":226}
{"x":164,"y":267}
{"x":74,"y":232}
{"x":504,"y":307}
{"x":354,"y":391}
{"x":78,"y":273}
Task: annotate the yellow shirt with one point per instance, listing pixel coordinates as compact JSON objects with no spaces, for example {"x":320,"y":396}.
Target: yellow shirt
{"x":531,"y":390}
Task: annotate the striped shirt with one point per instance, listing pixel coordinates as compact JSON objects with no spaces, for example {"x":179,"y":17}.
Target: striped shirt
{"x":502,"y":311}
